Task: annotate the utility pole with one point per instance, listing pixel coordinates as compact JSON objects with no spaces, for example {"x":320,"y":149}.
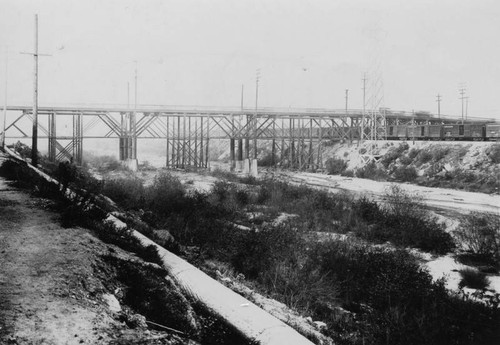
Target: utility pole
{"x":439,"y":105}
{"x":363,"y":124}
{"x":346,"y":100}
{"x":135,"y":91}
{"x":34,"y":144}
{"x":350,"y":130}
{"x":414,"y":128}
{"x":462,"y":97}
{"x":5,"y":99}
{"x":134,"y":119}
{"x":466,"y":107}
{"x":242,"y":89}
{"x":254,"y":124}
{"x":257,"y":78}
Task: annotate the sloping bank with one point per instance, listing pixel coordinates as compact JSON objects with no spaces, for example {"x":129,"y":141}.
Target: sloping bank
{"x":246,"y":317}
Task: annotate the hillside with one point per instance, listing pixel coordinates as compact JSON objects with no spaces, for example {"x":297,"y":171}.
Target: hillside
{"x":471,"y":166}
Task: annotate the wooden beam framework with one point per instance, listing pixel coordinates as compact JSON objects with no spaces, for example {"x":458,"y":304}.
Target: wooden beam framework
{"x":296,"y":139}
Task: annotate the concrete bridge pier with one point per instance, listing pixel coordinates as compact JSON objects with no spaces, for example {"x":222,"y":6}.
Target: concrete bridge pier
{"x":128,"y":141}
{"x":253,"y":168}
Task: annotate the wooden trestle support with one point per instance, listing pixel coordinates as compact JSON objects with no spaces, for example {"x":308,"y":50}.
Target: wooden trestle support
{"x":291,"y":139}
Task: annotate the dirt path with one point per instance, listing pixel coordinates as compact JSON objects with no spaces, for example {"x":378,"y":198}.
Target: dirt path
{"x":44,"y":277}
{"x":50,"y":292}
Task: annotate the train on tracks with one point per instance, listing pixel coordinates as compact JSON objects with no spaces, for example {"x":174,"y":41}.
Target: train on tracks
{"x":464,"y":131}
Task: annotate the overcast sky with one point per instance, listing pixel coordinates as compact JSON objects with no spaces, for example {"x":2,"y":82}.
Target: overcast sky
{"x":194,"y":52}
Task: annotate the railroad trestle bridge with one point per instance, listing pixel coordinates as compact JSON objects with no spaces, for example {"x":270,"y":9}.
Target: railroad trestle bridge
{"x":296,"y":138}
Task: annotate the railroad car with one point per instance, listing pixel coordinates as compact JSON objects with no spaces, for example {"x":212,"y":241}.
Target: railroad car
{"x":434,"y":132}
{"x":492,"y":131}
{"x":466,"y":131}
{"x":397,"y":132}
{"x":477,"y":131}
{"x":419,"y":132}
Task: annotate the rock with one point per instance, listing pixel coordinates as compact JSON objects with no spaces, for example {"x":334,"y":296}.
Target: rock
{"x":319,"y":324}
{"x":448,"y":167}
{"x":165,"y":235}
{"x":226,"y":280}
{"x":309,"y":319}
{"x":112,"y":302}
{"x":119,"y":292}
{"x":136,"y":321}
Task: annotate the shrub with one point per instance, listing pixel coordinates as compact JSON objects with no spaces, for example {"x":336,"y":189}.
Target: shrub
{"x":405,"y":174}
{"x":407,"y":216}
{"x":494,"y":153}
{"x":275,"y":258}
{"x":10,"y":170}
{"x":401,"y":203}
{"x":413,"y":153}
{"x":104,"y":163}
{"x":268,"y":160}
{"x":395,"y":301}
{"x":405,"y":160}
{"x":369,"y":210}
{"x":26,"y":178}
{"x":228,"y":196}
{"x":424,"y":156}
{"x":439,"y":153}
{"x":66,"y":174}
{"x":347,"y":173}
{"x":473,"y":279}
{"x":22,"y":149}
{"x":403,"y":221}
{"x":393,"y":154}
{"x":484,"y":263}
{"x":479,"y":233}
{"x":129,"y":193}
{"x":371,"y":171}
{"x":335,"y":166}
{"x":257,"y":250}
{"x":165,"y":195}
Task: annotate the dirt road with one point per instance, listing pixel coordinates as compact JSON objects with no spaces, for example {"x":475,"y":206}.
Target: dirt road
{"x":447,"y":202}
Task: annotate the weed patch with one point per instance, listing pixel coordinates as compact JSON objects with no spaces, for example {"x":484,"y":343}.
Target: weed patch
{"x":335,"y":166}
{"x":473,"y":279}
{"x":396,"y":302}
{"x":478,"y":233}
{"x":393,"y":154}
{"x":372,"y":171}
{"x":405,"y":174}
{"x":402,"y":221}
